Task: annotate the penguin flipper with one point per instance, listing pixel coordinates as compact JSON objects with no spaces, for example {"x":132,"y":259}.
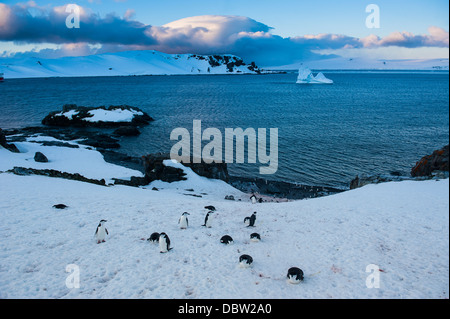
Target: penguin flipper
{"x":106,"y":231}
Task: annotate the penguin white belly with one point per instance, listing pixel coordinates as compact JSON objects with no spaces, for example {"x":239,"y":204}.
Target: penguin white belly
{"x":163,"y":245}
{"x":208,"y":223}
{"x":183,"y":222}
{"x":101,"y":234}
{"x":293,"y":280}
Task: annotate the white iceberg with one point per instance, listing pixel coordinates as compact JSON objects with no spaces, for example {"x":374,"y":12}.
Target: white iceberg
{"x":305,"y":76}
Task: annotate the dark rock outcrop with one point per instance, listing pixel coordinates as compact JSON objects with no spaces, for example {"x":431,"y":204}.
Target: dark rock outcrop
{"x":81,"y":113}
{"x":127,"y":131}
{"x":437,"y":161}
{"x":363,"y":180}
{"x":156,"y":170}
{"x":54,"y":173}
{"x":10,"y":147}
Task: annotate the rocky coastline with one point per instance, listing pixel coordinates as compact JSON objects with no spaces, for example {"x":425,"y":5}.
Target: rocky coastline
{"x":151,"y":165}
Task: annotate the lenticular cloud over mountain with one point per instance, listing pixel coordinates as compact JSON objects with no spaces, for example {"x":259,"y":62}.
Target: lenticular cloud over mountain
{"x":27,"y":23}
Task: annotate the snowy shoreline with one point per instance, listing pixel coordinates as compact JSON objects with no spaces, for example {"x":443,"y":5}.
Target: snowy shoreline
{"x":333,"y":239}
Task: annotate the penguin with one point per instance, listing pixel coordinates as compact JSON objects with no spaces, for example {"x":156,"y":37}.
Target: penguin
{"x":101,"y":232}
{"x":252,"y":220}
{"x":153,"y":238}
{"x":245,"y":261}
{"x":227,"y":240}
{"x":208,"y":218}
{"x":60,"y":206}
{"x":183,"y":221}
{"x":247,"y":220}
{"x":210,"y":208}
{"x":255,"y":237}
{"x":295,"y":275}
{"x":253,"y":199}
{"x":164,"y":243}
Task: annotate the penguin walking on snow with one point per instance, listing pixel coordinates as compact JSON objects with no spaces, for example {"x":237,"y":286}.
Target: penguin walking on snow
{"x":164,"y":243}
{"x":208,"y":220}
{"x":183,"y":221}
{"x":295,"y":275}
{"x":101,"y":232}
{"x":252,"y":220}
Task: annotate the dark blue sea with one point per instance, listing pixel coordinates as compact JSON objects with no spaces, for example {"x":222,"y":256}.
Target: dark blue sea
{"x":372,"y":123}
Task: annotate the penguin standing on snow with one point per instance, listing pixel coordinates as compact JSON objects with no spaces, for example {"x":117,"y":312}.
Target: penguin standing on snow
{"x":101,"y":232}
{"x":164,"y":243}
{"x":295,"y":275}
{"x":252,"y":220}
{"x":245,"y":261}
{"x":208,"y":220}
{"x":183,"y":221}
{"x":253,"y":199}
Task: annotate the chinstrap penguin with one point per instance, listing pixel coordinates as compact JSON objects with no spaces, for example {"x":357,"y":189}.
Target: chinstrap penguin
{"x":255,"y":237}
{"x":245,"y":261}
{"x":183,"y":221}
{"x":252,"y":220}
{"x":164,"y":243}
{"x":208,"y":220}
{"x":153,"y":238}
{"x":101,"y":232}
{"x":295,"y":275}
{"x":227,"y":240}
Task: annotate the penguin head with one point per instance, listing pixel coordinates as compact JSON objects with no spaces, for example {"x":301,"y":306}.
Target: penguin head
{"x":103,"y":221}
{"x":163,"y":235}
{"x":185,"y":213}
{"x":210,"y":212}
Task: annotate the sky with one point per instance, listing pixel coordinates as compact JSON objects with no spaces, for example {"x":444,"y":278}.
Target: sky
{"x":266,"y":31}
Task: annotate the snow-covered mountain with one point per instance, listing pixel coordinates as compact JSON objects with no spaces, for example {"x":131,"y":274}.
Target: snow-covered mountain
{"x":341,"y":63}
{"x":125,"y":64}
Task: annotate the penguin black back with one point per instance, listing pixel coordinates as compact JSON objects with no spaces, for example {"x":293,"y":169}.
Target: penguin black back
{"x":226,"y":240}
{"x":252,"y":220}
{"x":245,"y":260}
{"x":153,"y":237}
{"x":295,"y":274}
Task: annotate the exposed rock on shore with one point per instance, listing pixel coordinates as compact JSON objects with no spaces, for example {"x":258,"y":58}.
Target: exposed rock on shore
{"x":437,"y":161}
{"x":54,"y":173}
{"x":10,"y":147}
{"x":431,"y":166}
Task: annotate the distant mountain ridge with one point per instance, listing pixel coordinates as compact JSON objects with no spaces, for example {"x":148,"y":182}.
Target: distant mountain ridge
{"x":127,"y":63}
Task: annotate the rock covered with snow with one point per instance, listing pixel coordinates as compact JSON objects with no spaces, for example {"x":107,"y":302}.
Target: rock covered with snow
{"x":305,"y":76}
{"x":112,"y":116}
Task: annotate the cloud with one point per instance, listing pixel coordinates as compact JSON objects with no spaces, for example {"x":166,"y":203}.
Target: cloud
{"x":209,"y":34}
{"x":32,"y":24}
{"x":437,"y":37}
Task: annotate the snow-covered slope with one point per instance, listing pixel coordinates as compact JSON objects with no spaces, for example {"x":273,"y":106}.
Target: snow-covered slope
{"x":125,"y":64}
{"x":402,"y":227}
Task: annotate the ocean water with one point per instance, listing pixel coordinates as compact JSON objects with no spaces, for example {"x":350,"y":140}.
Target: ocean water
{"x":372,"y":123}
